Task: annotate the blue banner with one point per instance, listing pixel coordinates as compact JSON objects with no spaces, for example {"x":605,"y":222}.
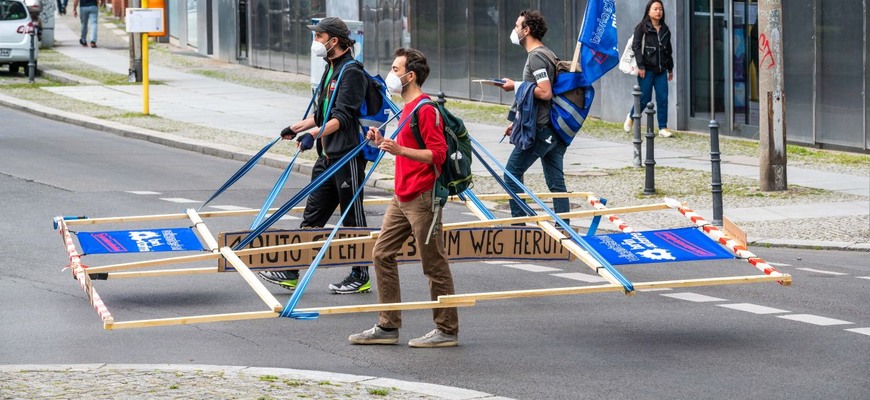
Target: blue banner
{"x":599,"y":52}
{"x":667,"y":245}
{"x":139,"y":241}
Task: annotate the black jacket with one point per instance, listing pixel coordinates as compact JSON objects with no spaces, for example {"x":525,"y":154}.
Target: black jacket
{"x":657,"y":54}
{"x":346,"y":108}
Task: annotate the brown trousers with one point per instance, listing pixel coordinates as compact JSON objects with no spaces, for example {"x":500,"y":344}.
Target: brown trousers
{"x":400,"y":221}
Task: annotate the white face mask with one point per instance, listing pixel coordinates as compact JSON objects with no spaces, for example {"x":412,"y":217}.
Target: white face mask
{"x":394,"y":83}
{"x":319,"y":49}
{"x":515,"y":37}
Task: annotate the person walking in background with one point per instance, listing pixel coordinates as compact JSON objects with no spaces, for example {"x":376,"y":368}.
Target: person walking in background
{"x":532,"y":133}
{"x":411,"y":210}
{"x":655,"y":63}
{"x":61,"y":6}
{"x":340,"y":135}
{"x":88,"y":11}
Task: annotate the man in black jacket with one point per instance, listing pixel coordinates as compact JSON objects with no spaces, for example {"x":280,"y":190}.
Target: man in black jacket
{"x":341,"y":134}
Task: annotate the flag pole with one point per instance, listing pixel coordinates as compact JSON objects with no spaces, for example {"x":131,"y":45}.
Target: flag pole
{"x":575,"y":64}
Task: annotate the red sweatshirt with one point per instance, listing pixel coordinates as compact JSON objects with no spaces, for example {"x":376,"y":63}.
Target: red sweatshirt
{"x":412,"y":177}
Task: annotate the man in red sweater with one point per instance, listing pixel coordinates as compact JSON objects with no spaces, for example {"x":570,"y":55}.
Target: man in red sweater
{"x":411,"y":210}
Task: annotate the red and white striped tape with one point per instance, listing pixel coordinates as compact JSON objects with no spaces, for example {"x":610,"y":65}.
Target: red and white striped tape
{"x":720,"y":236}
{"x":620,"y":224}
{"x":78,"y":271}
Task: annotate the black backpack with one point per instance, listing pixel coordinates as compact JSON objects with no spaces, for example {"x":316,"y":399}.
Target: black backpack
{"x":455,"y":174}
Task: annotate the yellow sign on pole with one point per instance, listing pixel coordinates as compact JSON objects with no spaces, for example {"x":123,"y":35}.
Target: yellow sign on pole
{"x":144,"y":21}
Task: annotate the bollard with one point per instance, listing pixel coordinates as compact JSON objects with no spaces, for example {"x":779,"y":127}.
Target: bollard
{"x":636,"y":127}
{"x":716,"y":186}
{"x":650,"y":181}
{"x":31,"y":64}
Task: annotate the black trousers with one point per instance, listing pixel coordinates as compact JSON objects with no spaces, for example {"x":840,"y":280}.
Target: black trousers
{"x":334,"y":192}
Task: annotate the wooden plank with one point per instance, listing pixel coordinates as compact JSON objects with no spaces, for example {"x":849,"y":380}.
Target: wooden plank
{"x":734,"y":231}
{"x":505,"y":196}
{"x":456,"y":300}
{"x":546,"y":217}
{"x":574,"y":63}
{"x":206,"y":235}
{"x":198,"y":319}
{"x":162,"y":272}
{"x":252,"y":280}
{"x":154,"y":263}
{"x":514,"y":294}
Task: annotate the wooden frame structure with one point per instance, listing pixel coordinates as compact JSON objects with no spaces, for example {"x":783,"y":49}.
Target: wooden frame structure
{"x":274,"y":308}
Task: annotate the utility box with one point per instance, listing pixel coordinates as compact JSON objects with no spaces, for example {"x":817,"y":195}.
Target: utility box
{"x":317,"y":63}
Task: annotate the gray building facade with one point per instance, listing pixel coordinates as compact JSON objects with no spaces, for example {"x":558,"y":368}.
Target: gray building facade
{"x":826,"y":53}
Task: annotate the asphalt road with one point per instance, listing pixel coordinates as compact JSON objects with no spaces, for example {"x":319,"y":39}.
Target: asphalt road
{"x":711,"y":342}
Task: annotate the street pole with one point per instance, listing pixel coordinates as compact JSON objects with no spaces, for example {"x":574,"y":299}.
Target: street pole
{"x":636,"y":127}
{"x":712,"y":63}
{"x":715,"y":161}
{"x":772,"y":135}
{"x":134,"y":73}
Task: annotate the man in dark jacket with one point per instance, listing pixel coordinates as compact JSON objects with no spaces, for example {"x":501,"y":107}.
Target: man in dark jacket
{"x":341,"y":134}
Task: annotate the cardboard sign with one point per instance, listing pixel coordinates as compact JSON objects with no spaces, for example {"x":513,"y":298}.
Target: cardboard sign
{"x":470,"y":244}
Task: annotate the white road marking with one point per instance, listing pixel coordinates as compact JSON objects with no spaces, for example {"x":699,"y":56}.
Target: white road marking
{"x":753,"y":308}
{"x":697,"y":298}
{"x":532,"y":267}
{"x":863,"y":277}
{"x":778,"y":264}
{"x":863,"y":331}
{"x":581,"y":277}
{"x":469,"y":214}
{"x":814,"y":319}
{"x":819,"y":271}
{"x":499,"y":262}
{"x":661,"y":289}
{"x":179,"y":200}
{"x":142,"y":192}
{"x":230,"y":208}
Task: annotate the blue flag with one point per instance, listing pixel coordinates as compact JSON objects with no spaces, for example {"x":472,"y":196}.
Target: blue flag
{"x":599,"y":45}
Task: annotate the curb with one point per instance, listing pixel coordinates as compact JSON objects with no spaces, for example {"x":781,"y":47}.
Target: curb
{"x":421,"y":388}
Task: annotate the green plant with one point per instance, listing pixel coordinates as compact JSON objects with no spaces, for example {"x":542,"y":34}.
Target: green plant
{"x":379,"y":391}
{"x":268,"y":378}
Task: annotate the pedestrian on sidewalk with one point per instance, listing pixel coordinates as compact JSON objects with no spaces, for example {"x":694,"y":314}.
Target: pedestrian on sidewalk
{"x":61,"y":6}
{"x":340,"y":135}
{"x":88,"y":12}
{"x":541,"y":141}
{"x":655,"y":63}
{"x":411,"y":210}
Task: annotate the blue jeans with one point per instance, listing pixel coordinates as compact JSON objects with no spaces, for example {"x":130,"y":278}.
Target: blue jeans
{"x":658,"y":82}
{"x":88,"y":16}
{"x":550,"y":148}
{"x":61,"y":5}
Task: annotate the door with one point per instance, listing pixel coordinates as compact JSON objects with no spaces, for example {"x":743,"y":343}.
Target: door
{"x":708,"y":71}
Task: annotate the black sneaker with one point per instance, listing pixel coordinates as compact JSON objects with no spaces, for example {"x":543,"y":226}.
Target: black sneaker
{"x":351,"y":284}
{"x":286,"y":279}
{"x":83,"y":43}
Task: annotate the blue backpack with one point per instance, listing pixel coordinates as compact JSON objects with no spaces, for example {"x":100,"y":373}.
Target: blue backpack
{"x":572,"y":98}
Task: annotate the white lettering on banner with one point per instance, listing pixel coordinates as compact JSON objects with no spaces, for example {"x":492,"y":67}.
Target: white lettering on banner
{"x":623,"y":253}
{"x":145,"y":239}
{"x":606,"y":12}
{"x":171,"y":240}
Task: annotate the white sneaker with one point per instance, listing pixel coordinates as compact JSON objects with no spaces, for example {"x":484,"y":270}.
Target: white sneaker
{"x":664,"y":132}
{"x":628,"y":124}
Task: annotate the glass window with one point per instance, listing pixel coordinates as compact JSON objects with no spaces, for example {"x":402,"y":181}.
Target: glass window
{"x":369,"y":17}
{"x":485,"y":40}
{"x":744,"y":59}
{"x":192,"y":33}
{"x":840,"y":105}
{"x":424,"y":35}
{"x":173,"y":17}
{"x":454,"y":76}
{"x":513,"y":56}
{"x":699,"y":37}
{"x":798,"y":44}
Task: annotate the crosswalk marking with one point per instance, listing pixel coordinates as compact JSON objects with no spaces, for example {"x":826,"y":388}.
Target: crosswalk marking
{"x":863,"y":331}
{"x":863,"y":277}
{"x":178,"y":200}
{"x":661,"y":289}
{"x":142,"y":192}
{"x":500,"y":262}
{"x":775,"y":264}
{"x":753,"y":308}
{"x":532,"y":267}
{"x":814,"y":319}
{"x":581,"y":277}
{"x":820,"y":271}
{"x":697,"y":298}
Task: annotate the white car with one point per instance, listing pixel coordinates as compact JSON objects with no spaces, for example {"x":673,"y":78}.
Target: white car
{"x":15,"y":27}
